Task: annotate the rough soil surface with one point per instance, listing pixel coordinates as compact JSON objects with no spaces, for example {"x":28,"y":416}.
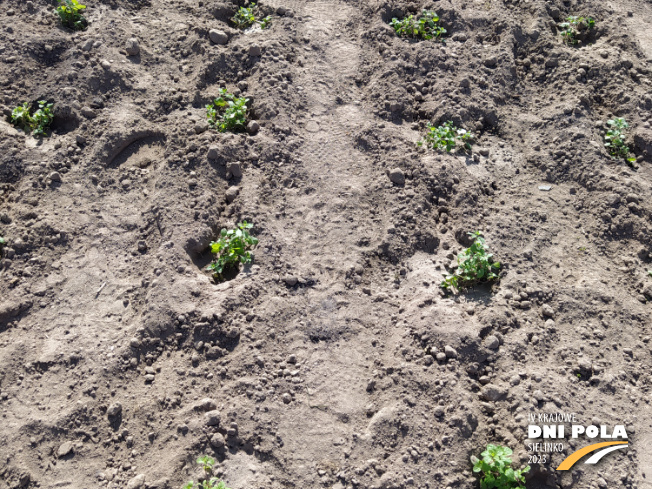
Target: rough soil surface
{"x":335,"y":360}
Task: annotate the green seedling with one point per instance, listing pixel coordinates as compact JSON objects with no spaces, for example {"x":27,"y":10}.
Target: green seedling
{"x":3,"y":242}
{"x":245,"y":18}
{"x":69,"y":12}
{"x":424,"y":27}
{"x":614,"y":140}
{"x":21,"y":117}
{"x":575,"y":28}
{"x":649,"y":272}
{"x":496,"y":471}
{"x":207,"y":463}
{"x":36,"y":123}
{"x":265,"y":22}
{"x":446,"y":137}
{"x":231,"y":249}
{"x":227,"y":112}
{"x":474,"y":265}
{"x":212,"y":483}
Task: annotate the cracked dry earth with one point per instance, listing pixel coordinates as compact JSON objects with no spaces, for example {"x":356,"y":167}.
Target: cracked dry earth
{"x":334,"y":360}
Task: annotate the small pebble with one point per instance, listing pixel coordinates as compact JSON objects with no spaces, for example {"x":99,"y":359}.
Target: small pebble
{"x":114,"y":409}
{"x":255,"y":50}
{"x":252,"y":128}
{"x":547,"y":311}
{"x":232,"y":193}
{"x":88,"y":112}
{"x":212,"y":418}
{"x":132,"y":47}
{"x":234,"y":169}
{"x":290,"y":280}
{"x":396,"y":176}
{"x":491,"y":342}
{"x":137,"y":482}
{"x":218,"y":37}
{"x":217,"y":441}
{"x":65,"y":449}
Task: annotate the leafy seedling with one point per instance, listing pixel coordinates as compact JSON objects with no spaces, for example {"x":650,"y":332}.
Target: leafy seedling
{"x":446,"y":137}
{"x":231,"y":249}
{"x":207,"y":464}
{"x":575,"y":29}
{"x":3,"y":242}
{"x":21,"y":117}
{"x":37,"y":122}
{"x":614,"y":140}
{"x":265,"y":22}
{"x":245,"y":17}
{"x":69,"y":12}
{"x":425,"y":27}
{"x":474,"y":265}
{"x":228,"y":112}
{"x":496,"y":471}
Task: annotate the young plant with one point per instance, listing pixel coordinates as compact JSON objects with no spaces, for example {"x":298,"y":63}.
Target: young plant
{"x":231,"y":249}
{"x":446,"y":137}
{"x":614,"y":140}
{"x":265,"y":22}
{"x":3,"y":242}
{"x":227,"y":112}
{"x":245,"y":17}
{"x":496,"y":468}
{"x":36,"y":123}
{"x":424,"y":27}
{"x":474,"y":265}
{"x":575,"y":29}
{"x":207,"y":463}
{"x":213,"y":482}
{"x":69,"y":12}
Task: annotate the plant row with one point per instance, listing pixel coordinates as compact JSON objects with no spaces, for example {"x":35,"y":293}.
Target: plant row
{"x":71,"y":16}
{"x":230,"y":113}
{"x":494,"y":468}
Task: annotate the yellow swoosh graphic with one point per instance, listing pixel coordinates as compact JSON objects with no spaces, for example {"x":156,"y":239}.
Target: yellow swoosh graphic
{"x":575,"y":456}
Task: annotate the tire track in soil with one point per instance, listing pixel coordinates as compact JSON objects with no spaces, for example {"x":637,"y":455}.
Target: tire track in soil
{"x":339,"y":176}
{"x":315,"y":430}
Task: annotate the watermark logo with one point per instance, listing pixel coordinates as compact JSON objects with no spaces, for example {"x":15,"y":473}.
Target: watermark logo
{"x":555,"y":433}
{"x":607,"y":447}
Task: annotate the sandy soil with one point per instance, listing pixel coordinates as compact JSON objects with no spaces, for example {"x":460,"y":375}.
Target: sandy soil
{"x":321,"y":357}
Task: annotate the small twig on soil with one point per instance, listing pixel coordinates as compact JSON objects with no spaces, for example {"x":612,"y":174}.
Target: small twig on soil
{"x":97,"y":294}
